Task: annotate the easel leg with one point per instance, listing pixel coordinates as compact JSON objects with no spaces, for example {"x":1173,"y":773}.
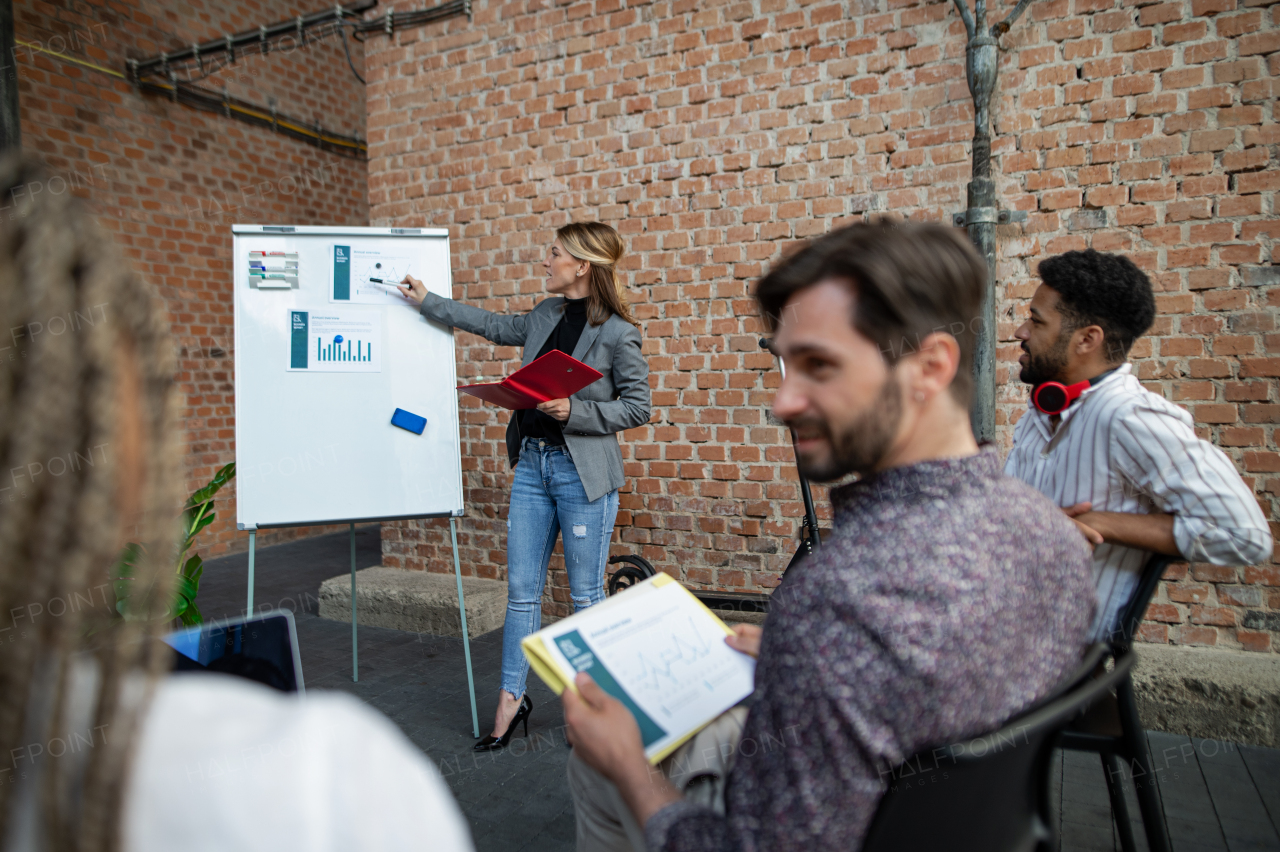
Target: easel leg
{"x":466,"y":639}
{"x":248,"y":607}
{"x":355,"y":651}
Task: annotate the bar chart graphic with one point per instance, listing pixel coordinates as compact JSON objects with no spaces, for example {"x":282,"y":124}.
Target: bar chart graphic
{"x":339,"y":349}
{"x":336,"y":341}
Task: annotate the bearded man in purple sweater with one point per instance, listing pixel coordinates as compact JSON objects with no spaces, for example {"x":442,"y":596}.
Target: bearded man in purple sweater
{"x":947,"y":599}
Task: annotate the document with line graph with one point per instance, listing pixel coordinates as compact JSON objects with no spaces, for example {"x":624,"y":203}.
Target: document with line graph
{"x":658,"y":650}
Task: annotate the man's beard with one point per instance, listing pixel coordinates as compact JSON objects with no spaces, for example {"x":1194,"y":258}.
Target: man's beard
{"x":861,"y":446}
{"x":1047,"y":367}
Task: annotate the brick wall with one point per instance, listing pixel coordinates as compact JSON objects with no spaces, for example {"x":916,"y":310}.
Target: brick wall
{"x":714,"y":134}
{"x":169,"y":181}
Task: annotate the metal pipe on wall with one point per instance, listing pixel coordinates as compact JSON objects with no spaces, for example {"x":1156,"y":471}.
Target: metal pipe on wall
{"x":982,"y":58}
{"x":10,"y":131}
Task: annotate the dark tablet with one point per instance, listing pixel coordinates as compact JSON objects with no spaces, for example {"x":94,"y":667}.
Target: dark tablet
{"x":263,"y":648}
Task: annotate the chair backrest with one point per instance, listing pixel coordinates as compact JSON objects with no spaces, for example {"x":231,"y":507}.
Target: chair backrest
{"x":1148,"y":582}
{"x":990,"y":793}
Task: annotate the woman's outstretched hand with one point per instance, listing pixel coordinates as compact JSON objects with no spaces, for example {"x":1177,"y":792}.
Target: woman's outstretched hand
{"x":413,"y":289}
{"x":557,"y":408}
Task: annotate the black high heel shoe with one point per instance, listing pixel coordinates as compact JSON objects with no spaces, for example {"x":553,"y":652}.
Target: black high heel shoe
{"x":492,"y":743}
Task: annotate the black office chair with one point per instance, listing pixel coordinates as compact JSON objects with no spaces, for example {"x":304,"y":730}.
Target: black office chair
{"x":991,"y":793}
{"x":1113,"y":729}
{"x":631,"y":570}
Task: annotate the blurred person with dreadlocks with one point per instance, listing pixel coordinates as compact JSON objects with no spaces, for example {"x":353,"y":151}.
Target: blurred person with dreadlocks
{"x":98,"y":749}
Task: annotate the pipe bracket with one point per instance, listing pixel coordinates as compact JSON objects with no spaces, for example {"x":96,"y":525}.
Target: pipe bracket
{"x":987,"y":215}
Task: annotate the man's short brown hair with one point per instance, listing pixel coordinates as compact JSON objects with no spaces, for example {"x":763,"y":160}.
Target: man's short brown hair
{"x":909,"y":281}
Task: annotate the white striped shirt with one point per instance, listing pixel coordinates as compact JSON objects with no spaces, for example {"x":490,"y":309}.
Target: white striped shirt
{"x":1125,"y":449}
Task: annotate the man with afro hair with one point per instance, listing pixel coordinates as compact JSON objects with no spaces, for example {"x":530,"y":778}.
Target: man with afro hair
{"x":1124,"y":463}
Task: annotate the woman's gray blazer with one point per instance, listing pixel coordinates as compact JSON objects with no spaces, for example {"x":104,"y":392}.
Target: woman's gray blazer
{"x":597,"y":413}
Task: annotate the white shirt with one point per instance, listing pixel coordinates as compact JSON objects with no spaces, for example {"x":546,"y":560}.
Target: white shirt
{"x":223,"y":763}
{"x":1125,"y":449}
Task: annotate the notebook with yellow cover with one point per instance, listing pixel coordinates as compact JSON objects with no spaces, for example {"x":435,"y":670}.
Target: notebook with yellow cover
{"x":657,"y":649}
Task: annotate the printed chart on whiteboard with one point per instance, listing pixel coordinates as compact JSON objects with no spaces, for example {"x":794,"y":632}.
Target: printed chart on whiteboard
{"x":337,"y":341}
{"x":367,"y":276}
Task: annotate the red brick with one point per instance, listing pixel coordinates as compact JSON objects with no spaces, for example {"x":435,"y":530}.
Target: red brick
{"x":1251,"y":367}
{"x":1232,"y":300}
{"x":1189,"y":593}
{"x":1059,"y":199}
{"x":1219,"y":616}
{"x":1230,"y":26}
{"x":1187,"y":635}
{"x":1257,"y":181}
{"x":1190,"y":31}
{"x":1211,"y":7}
{"x":1163,"y":612}
{"x":1153,"y":633}
{"x":1254,"y":640}
{"x":1211,"y":140}
{"x":1259,"y":43}
{"x":1262,"y":462}
{"x":1241,"y":437}
{"x":1206,"y":368}
{"x":1215,"y":413}
{"x":1246,"y":392}
{"x":1175,"y":347}
{"x":1234,"y":72}
{"x":1261,"y":413}
{"x":1224,"y":345}
{"x":1206,"y":573}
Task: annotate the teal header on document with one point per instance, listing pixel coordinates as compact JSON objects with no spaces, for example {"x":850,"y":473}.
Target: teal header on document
{"x":342,"y":272}
{"x":297,"y":340}
{"x":580,"y":656}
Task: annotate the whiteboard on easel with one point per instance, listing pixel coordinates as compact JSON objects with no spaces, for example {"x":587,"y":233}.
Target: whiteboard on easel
{"x":326,"y":350}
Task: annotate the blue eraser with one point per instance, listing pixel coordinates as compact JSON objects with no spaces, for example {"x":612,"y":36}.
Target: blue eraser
{"x":408,"y":421}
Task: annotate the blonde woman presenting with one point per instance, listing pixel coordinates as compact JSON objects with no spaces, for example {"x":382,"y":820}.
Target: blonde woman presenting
{"x":565,"y":452}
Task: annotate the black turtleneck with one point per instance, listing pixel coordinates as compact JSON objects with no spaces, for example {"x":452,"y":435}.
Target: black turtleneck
{"x":533,"y":423}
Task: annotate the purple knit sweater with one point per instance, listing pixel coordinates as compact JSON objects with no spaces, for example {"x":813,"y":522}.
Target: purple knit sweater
{"x":949,"y":598}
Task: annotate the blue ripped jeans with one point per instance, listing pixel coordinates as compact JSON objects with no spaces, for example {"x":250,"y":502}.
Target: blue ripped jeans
{"x":547,"y":497}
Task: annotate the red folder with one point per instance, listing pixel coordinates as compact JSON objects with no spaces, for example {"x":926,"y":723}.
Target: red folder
{"x":553,"y":376}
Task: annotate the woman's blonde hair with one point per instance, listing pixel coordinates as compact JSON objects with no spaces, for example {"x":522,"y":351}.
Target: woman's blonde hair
{"x":601,"y":246}
{"x":82,"y":327}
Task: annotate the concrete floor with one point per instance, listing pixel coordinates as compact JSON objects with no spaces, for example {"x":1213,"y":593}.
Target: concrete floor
{"x":1217,"y":796}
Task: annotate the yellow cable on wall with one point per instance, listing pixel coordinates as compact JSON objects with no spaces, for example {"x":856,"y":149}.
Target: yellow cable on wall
{"x":66,"y":58}
{"x":305,"y":131}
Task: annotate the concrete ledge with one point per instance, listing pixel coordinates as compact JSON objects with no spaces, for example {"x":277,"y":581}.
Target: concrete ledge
{"x":731,"y":618}
{"x":1202,"y":692}
{"x":416,"y":601}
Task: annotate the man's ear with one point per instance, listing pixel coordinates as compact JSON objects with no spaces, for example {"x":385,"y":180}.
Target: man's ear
{"x":1089,"y":339}
{"x":937,"y":360}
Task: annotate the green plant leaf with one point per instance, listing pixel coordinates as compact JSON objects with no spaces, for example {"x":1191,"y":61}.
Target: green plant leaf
{"x":186,"y":590}
{"x":192,"y":615}
{"x":196,"y":516}
{"x":193,"y":568}
{"x":221,"y":478}
{"x":194,"y":529}
{"x":127,"y":560}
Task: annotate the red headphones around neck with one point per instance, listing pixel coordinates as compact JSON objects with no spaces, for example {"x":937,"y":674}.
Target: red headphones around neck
{"x":1054,"y":397}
